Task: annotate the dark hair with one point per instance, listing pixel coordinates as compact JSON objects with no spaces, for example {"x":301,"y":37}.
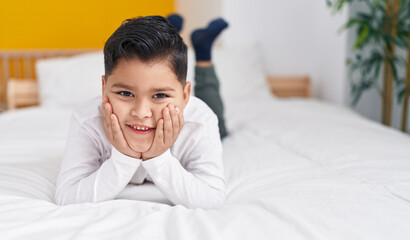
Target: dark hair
{"x":148,"y":38}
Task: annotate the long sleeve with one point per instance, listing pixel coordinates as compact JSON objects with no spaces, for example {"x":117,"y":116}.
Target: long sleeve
{"x":190,"y":173}
{"x":198,"y":184}
{"x":83,"y":178}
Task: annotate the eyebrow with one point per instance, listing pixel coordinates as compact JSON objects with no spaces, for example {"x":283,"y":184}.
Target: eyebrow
{"x":125,"y":86}
{"x":122,"y":85}
{"x":165,"y":89}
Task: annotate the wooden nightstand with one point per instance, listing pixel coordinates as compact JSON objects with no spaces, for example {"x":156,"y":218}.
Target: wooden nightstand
{"x":21,"y":93}
{"x":290,"y":86}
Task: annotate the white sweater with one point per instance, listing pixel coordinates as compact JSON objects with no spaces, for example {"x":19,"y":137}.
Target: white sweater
{"x":190,"y":173}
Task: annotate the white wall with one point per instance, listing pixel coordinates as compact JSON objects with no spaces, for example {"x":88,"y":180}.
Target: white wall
{"x":296,"y":36}
{"x":196,"y":14}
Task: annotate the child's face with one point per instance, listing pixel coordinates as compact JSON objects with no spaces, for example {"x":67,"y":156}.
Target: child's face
{"x":138,"y":92}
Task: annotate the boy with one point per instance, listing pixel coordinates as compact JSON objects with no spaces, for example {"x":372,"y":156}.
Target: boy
{"x":146,"y":127}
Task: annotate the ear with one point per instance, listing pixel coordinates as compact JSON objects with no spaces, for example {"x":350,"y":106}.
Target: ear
{"x":103,"y":84}
{"x":187,"y":92}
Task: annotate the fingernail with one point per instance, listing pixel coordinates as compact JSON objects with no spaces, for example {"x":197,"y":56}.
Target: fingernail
{"x":166,"y":111}
{"x":177,"y":109}
{"x":171,"y":107}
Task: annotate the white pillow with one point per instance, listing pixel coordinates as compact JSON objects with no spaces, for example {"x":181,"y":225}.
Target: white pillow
{"x":68,"y":82}
{"x":240,"y":70}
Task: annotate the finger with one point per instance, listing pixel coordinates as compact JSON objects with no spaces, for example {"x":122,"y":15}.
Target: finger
{"x":116,"y":130}
{"x":159,"y":134}
{"x":175,"y":122}
{"x":106,"y":99}
{"x":106,"y":120}
{"x":107,"y":111}
{"x":181,"y":118}
{"x":107,"y":105}
{"x":167,"y":126}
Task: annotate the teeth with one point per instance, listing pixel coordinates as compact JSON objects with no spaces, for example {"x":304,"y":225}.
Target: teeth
{"x":140,"y":128}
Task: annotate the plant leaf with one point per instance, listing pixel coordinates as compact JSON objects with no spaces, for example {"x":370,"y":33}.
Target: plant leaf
{"x":363,"y":35}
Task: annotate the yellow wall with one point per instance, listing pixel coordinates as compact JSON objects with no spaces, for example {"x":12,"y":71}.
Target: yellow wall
{"x":26,"y":24}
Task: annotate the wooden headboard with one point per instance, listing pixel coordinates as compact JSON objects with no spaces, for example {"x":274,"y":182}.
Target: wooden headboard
{"x":18,"y":80}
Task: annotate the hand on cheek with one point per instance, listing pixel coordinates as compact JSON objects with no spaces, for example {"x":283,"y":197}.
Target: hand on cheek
{"x":168,"y":129}
{"x":113,"y":131}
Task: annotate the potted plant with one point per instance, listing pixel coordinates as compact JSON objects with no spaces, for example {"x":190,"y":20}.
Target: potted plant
{"x":383,"y":27}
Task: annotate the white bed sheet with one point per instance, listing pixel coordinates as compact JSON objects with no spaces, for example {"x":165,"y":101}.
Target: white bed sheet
{"x":295,"y":169}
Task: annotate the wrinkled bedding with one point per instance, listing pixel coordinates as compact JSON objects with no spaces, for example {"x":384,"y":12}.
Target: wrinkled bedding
{"x":295,"y":169}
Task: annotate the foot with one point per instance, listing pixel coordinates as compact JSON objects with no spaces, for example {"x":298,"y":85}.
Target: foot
{"x":202,"y":39}
{"x":176,"y":21}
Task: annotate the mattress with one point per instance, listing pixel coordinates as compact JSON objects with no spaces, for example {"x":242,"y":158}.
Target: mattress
{"x":294,"y":169}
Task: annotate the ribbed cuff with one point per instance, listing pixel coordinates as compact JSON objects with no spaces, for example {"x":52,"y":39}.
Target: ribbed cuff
{"x":119,"y":157}
{"x":157,"y":162}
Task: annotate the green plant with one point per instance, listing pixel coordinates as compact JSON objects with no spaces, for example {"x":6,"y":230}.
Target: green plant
{"x":383,"y":27}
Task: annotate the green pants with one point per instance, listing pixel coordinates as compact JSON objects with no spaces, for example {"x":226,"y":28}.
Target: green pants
{"x":207,"y":89}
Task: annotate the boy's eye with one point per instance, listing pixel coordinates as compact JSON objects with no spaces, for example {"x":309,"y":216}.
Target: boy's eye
{"x":125,"y":94}
{"x":160,"y":95}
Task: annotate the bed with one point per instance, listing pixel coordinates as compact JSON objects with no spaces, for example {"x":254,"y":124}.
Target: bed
{"x":295,"y":168}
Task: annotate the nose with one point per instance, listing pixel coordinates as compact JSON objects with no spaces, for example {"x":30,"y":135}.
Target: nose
{"x":141,"y":109}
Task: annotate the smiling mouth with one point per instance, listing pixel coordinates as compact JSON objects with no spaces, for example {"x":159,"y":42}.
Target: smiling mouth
{"x":140,"y":129}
